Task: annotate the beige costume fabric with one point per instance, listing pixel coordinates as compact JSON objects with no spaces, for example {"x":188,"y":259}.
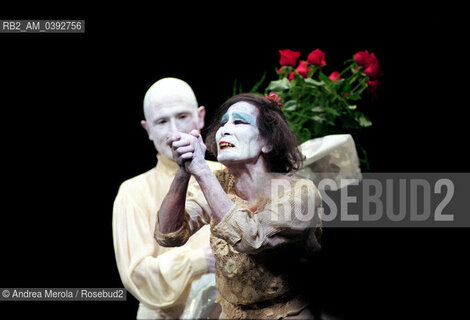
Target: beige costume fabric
{"x":160,"y":278}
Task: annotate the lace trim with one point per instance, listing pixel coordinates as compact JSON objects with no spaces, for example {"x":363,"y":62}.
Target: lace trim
{"x":276,"y":311}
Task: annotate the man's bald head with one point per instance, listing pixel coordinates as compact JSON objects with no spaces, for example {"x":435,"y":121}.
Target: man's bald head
{"x":170,"y":106}
{"x":168,"y":91}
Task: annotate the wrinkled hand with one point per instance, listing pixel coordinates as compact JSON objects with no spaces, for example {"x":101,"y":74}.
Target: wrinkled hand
{"x":188,"y":150}
{"x":210,"y":259}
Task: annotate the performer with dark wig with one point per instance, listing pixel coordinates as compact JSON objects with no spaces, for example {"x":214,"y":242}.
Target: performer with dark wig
{"x":264,"y":221}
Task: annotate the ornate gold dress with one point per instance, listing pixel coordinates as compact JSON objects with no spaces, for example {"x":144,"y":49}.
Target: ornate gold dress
{"x":258,"y":247}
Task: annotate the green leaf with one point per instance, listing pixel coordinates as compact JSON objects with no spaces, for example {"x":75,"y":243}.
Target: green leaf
{"x":317,"y":109}
{"x":279,"y":85}
{"x":354,"y":97}
{"x":318,"y":118}
{"x":324,"y":78}
{"x":314,"y":82}
{"x":290,"y":105}
{"x":331,"y":110}
{"x":363,"y":120}
{"x":346,"y":88}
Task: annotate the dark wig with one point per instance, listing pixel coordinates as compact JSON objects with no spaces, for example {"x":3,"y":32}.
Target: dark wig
{"x":285,"y":155}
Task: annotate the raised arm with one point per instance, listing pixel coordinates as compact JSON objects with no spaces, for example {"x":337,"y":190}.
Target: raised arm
{"x":189,"y":152}
{"x":171,"y":213}
{"x":215,"y":195}
{"x":176,"y":223}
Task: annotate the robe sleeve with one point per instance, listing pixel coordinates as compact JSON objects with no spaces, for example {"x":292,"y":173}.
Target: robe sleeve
{"x":157,"y":280}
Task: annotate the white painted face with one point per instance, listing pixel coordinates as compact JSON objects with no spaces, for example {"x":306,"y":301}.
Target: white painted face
{"x":238,"y":138}
{"x":169,"y":106}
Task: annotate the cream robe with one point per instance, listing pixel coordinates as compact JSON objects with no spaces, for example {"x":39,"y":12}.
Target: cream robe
{"x":158,"y":277}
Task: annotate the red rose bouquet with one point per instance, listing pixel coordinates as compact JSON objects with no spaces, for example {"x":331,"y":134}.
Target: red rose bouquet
{"x":317,"y":104}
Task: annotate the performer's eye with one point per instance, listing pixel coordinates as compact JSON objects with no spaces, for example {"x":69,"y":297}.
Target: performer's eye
{"x":239,"y":122}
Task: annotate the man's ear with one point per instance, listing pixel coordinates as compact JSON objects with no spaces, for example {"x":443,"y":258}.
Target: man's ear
{"x":201,"y":114}
{"x":146,"y":127}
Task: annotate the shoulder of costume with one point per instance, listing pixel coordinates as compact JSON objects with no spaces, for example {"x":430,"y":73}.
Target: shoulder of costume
{"x":225,"y":178}
{"x":137,"y":182}
{"x":214,"y":165}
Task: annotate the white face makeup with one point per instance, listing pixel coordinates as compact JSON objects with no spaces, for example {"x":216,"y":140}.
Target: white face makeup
{"x":170,"y":107}
{"x":238,"y":138}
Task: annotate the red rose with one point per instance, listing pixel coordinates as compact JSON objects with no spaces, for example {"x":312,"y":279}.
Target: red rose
{"x":302,"y":68}
{"x":291,"y":76}
{"x":374,"y":86}
{"x":373,"y":59}
{"x":288,"y":57}
{"x":273,"y":97}
{"x":334,"y":76}
{"x":373,"y":71}
{"x":316,"y":57}
{"x":364,"y":58}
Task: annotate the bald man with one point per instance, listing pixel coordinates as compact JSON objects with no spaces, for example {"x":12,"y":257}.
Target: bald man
{"x":162,"y":279}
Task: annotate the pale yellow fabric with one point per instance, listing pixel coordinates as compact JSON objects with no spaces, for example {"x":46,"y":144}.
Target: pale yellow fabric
{"x":250,"y":241}
{"x":158,"y":277}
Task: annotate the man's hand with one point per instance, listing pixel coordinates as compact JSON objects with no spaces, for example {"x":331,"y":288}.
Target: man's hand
{"x":188,"y":150}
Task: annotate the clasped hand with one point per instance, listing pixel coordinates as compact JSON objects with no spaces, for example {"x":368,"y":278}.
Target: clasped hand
{"x":188,"y":150}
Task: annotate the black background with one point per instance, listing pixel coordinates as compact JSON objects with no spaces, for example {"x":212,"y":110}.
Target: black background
{"x":71,"y":106}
